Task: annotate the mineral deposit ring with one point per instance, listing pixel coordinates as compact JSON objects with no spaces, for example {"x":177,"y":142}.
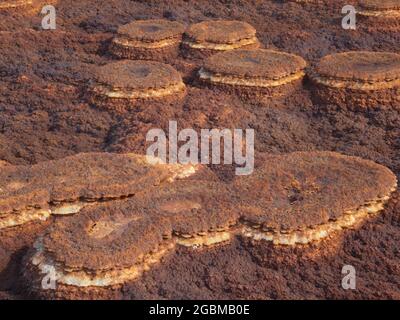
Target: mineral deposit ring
{"x":358,"y":80}
{"x":102,"y":248}
{"x":125,"y":85}
{"x":254,"y":73}
{"x":303,"y":197}
{"x":206,"y":38}
{"x":157,"y":40}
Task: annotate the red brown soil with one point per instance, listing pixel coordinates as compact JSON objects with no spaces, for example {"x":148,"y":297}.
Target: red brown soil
{"x":44,"y":74}
{"x":376,"y":5}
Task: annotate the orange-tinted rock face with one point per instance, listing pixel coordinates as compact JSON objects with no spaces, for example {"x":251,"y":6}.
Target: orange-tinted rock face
{"x":154,"y":39}
{"x":133,"y":84}
{"x":210,"y":37}
{"x":360,"y":79}
{"x":254,"y":73}
{"x":66,"y":186}
{"x":45,"y":116}
{"x":293,"y":199}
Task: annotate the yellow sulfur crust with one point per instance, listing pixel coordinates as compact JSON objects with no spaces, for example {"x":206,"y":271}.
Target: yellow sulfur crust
{"x":349,"y":220}
{"x":220,"y":46}
{"x":257,"y":82}
{"x":147,"y":45}
{"x":207,"y":240}
{"x":16,"y":219}
{"x":356,"y":85}
{"x":15,"y":4}
{"x":105,"y":278}
{"x":135,"y":94}
{"x":380,"y":14}
{"x":7,"y":220}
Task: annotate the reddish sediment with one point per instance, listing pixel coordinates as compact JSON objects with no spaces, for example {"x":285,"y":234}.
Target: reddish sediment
{"x":296,"y":199}
{"x":360,"y":79}
{"x":206,"y":38}
{"x":254,"y":74}
{"x":126,"y":85}
{"x":155,"y":39}
{"x":43,"y":117}
{"x":65,"y":186}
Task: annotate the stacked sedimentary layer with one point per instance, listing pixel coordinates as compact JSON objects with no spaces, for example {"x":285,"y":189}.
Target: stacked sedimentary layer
{"x":157,"y":40}
{"x":254,"y":73}
{"x":380,"y":14}
{"x":358,"y":79}
{"x":289,"y":200}
{"x":307,"y":196}
{"x":65,"y":186}
{"x":10,"y":4}
{"x":108,"y":245}
{"x":209,"y":37}
{"x":124,"y":85}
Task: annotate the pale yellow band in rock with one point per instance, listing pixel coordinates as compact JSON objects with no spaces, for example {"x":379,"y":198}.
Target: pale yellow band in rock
{"x":15,"y":219}
{"x":81,"y":278}
{"x":380,"y":14}
{"x":257,"y":82}
{"x":208,"y":240}
{"x":105,"y":278}
{"x":7,"y":220}
{"x":145,"y":45}
{"x":356,"y":85}
{"x":220,"y":46}
{"x":15,"y":4}
{"x":350,"y":219}
{"x":144,"y":94}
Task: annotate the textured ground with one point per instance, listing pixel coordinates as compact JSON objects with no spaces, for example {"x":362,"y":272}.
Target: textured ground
{"x":43,"y":76}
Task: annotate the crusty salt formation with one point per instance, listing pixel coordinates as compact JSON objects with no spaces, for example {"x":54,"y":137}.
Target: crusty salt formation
{"x":291,"y":199}
{"x":307,"y":196}
{"x":11,"y":4}
{"x":380,"y":14}
{"x":206,"y":38}
{"x":65,"y":186}
{"x":254,"y":73}
{"x":358,"y":79}
{"x":108,"y":245}
{"x":199,"y":213}
{"x":129,"y":84}
{"x":157,"y":40}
